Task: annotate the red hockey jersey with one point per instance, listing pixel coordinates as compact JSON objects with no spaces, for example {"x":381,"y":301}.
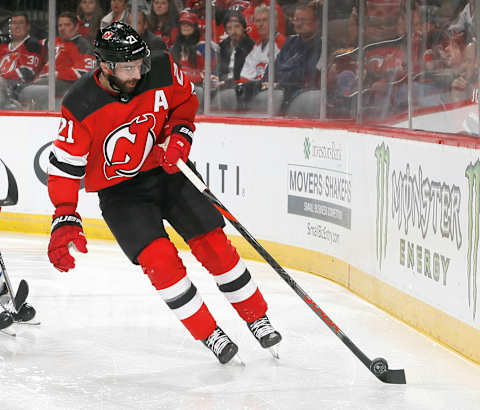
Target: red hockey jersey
{"x":22,"y":63}
{"x":73,"y":58}
{"x":107,"y":141}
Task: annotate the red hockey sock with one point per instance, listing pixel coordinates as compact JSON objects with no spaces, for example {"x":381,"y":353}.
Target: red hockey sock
{"x":160,"y":261}
{"x":221,"y":259}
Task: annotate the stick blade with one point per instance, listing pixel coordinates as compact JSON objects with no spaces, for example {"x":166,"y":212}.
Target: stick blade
{"x":393,"y":377}
{"x":22,"y":294}
{"x":8,"y":186}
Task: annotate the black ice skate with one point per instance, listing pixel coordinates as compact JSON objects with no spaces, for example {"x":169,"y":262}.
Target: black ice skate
{"x":6,"y":319}
{"x":265,"y":333}
{"x":25,"y":314}
{"x":221,"y":345}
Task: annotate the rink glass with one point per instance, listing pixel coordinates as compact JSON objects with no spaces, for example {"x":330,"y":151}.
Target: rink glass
{"x":387,"y":66}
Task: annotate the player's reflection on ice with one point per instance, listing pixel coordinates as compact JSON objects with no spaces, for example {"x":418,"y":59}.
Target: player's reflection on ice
{"x":107,"y":341}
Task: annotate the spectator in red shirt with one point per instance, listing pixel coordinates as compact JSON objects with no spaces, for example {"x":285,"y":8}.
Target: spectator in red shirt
{"x":73,"y":58}
{"x":89,"y":13}
{"x":198,"y":7}
{"x":188,"y":51}
{"x":162,"y":20}
{"x":22,"y":58}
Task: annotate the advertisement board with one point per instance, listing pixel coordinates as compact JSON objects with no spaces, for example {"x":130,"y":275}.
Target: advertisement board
{"x":403,"y":211}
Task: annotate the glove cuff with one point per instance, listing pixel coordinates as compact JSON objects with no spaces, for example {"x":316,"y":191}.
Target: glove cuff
{"x":69,"y":219}
{"x":183,"y":130}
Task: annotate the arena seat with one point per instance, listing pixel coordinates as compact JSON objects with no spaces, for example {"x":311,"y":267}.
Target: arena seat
{"x":306,"y":104}
{"x":224,"y":100}
{"x":259,"y":103}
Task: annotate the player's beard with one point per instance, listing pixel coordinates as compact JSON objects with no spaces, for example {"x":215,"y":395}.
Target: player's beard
{"x":125,"y":87}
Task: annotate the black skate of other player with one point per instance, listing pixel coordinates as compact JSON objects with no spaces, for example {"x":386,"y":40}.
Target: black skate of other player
{"x":11,"y":310}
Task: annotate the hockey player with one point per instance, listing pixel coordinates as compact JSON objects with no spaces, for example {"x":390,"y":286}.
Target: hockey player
{"x":12,"y":307}
{"x":113,"y":120}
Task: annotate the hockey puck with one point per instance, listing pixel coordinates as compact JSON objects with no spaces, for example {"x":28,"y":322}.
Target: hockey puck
{"x":379,"y":366}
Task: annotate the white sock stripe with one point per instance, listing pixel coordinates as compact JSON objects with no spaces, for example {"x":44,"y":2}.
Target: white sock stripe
{"x":176,"y":289}
{"x":232,"y":274}
{"x":242,"y":294}
{"x":190,"y":308}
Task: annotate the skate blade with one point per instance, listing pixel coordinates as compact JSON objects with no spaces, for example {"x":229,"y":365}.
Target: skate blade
{"x":29,"y":323}
{"x":10,"y":333}
{"x":274,"y":352}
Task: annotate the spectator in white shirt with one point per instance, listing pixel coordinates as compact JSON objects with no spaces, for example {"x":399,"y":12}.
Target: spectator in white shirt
{"x":257,"y":60}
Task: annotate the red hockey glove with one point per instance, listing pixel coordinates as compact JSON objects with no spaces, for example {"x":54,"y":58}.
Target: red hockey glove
{"x":178,"y":147}
{"x":66,"y":230}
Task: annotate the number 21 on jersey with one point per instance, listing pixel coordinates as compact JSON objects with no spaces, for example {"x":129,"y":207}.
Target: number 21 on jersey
{"x":68,"y":125}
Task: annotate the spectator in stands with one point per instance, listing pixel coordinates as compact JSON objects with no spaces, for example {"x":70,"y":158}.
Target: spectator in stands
{"x":155,"y":43}
{"x":198,"y":7}
{"x":73,"y":58}
{"x":449,"y":69}
{"x":89,"y":13}
{"x":162,"y":20}
{"x":234,"y":49}
{"x":188,"y":51}
{"x":464,"y":22}
{"x":118,"y":13}
{"x":380,"y":21}
{"x":22,"y":58}
{"x":295,"y":65}
{"x":464,"y":87}
{"x":249,"y":14}
{"x":257,"y":60}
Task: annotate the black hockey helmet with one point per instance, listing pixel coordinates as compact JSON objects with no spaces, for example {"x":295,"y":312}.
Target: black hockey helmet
{"x":119,"y":42}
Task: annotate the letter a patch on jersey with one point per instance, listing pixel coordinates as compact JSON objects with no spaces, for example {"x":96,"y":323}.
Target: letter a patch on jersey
{"x":126,"y":148}
{"x":160,"y":101}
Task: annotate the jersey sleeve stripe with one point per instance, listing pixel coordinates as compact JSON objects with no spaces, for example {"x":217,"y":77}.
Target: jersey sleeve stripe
{"x":64,"y":156}
{"x":72,"y":171}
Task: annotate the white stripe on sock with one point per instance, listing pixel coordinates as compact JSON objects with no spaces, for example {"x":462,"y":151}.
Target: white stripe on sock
{"x":232,"y":274}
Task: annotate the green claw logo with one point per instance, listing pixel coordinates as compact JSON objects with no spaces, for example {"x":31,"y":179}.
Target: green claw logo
{"x":473,"y":176}
{"x":306,"y":147}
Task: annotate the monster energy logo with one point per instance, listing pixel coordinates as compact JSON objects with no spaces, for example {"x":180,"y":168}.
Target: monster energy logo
{"x":473,"y":176}
{"x":306,"y":147}
{"x":382,"y":154}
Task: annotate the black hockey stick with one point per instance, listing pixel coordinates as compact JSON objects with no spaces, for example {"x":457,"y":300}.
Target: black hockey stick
{"x":8,"y":196}
{"x":378,"y":367}
{"x":18,"y":298}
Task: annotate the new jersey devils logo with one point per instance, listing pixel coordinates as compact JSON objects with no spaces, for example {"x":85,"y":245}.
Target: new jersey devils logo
{"x":126,"y":148}
{"x":8,"y":63}
{"x":107,"y":35}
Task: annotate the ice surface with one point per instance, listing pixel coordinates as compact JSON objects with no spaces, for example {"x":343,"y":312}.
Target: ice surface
{"x":108,"y":342}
